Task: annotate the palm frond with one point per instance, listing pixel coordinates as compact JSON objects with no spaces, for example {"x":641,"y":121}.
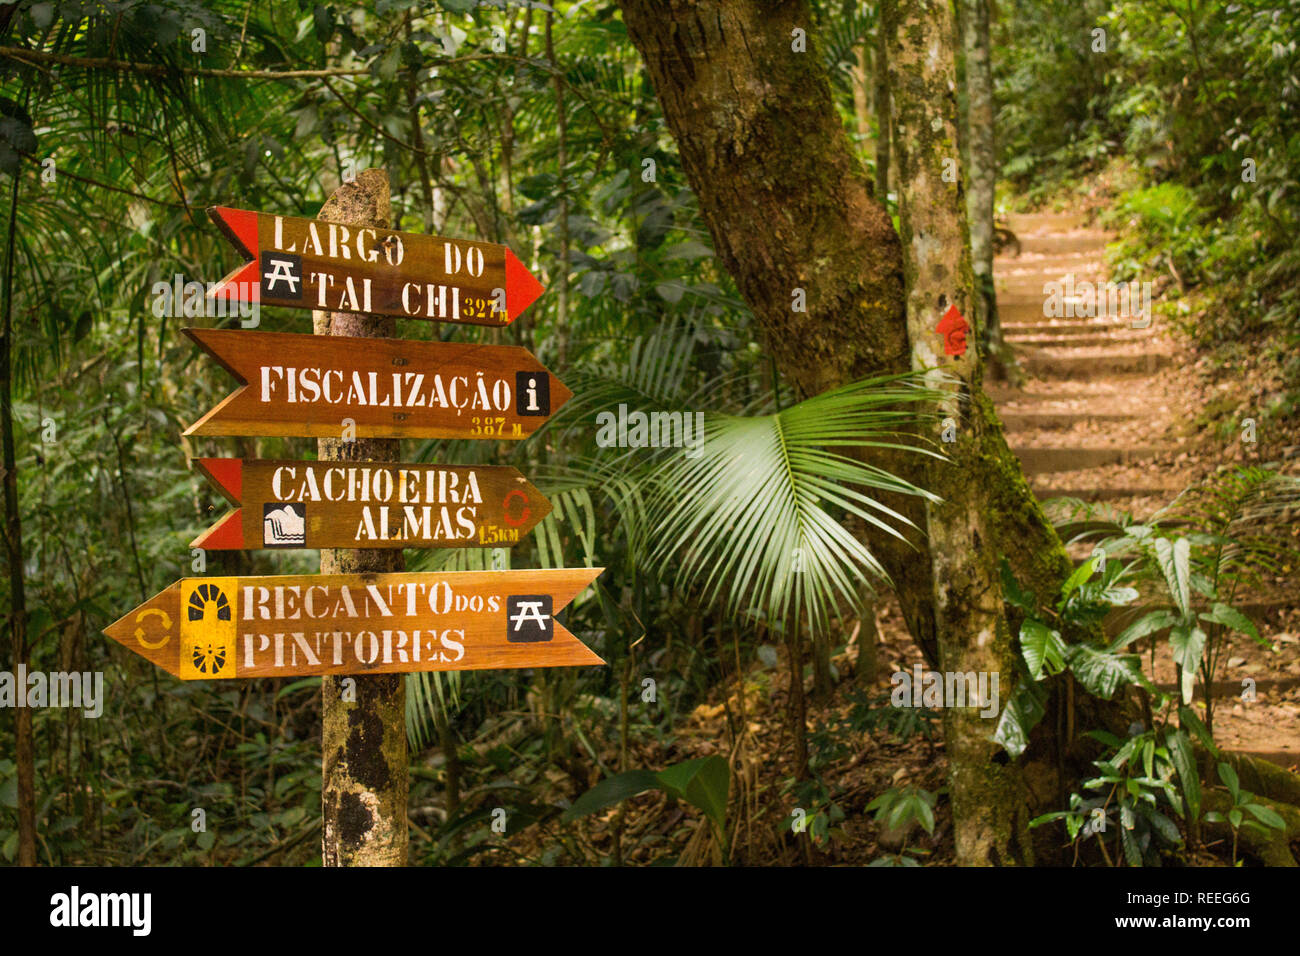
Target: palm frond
{"x":755,"y":521}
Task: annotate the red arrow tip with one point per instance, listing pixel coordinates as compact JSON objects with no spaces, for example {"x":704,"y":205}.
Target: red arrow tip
{"x":227,"y":474}
{"x":226,"y":535}
{"x":522,"y":289}
{"x":240,"y":227}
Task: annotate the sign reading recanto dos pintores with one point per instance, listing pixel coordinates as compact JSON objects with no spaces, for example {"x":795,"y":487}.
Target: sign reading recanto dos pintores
{"x":297,"y":625}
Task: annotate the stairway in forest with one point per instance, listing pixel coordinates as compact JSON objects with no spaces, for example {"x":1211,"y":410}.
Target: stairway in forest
{"x":1093,"y":419}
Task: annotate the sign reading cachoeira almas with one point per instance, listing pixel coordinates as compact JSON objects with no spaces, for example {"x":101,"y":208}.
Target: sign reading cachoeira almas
{"x":318,"y":386}
{"x":315,"y":264}
{"x":281,"y":626}
{"x":364,"y":504}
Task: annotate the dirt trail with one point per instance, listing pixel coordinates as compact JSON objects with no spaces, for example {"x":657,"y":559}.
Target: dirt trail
{"x":1097,"y":418}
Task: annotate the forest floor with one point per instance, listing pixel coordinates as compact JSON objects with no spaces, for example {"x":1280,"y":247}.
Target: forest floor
{"x":1106,"y":419}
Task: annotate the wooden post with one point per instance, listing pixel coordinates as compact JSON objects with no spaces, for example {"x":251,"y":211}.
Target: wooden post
{"x":363,"y":734}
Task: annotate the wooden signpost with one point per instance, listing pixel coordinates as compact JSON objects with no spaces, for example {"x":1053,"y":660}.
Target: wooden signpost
{"x":358,"y":390}
{"x":389,"y":388}
{"x":319,"y":504}
{"x":315,"y":264}
{"x":297,"y":625}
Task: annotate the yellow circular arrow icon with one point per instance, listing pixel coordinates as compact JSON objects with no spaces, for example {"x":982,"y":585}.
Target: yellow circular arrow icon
{"x":166,"y":623}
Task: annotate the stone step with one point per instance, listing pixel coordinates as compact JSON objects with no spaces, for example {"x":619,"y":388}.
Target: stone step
{"x":1042,"y":461}
{"x":1073,"y":527}
{"x":1090,"y":365}
{"x":1106,"y":493}
{"x":1232,"y":688}
{"x":1062,"y":327}
{"x":1078,"y":240}
{"x":1019,"y":292}
{"x":1019,"y":222}
{"x":1070,"y":341}
{"x":1286,"y":759}
{"x":1030,"y":421}
{"x":1030,"y":282}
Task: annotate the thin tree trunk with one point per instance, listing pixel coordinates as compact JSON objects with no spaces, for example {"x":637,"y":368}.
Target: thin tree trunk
{"x":989,"y":820}
{"x":798,"y":703}
{"x":25,"y":747}
{"x":868,"y":644}
{"x":363,"y":742}
{"x":982,"y":169}
{"x":789,"y":206}
{"x":884,"y":117}
{"x":562,"y":161}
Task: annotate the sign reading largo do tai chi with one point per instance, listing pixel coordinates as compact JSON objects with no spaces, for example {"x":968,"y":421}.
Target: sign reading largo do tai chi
{"x":335,"y":504}
{"x":314,"y":264}
{"x":282,"y":626}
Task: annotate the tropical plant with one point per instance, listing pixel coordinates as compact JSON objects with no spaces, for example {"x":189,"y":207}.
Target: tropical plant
{"x":1243,"y":802}
{"x":901,"y":809}
{"x":704,"y":783}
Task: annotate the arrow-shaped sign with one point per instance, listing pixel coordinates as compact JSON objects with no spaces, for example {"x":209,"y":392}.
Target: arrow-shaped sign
{"x":319,"y":386}
{"x":366,"y":504}
{"x":316,"y":264}
{"x":283,"y":626}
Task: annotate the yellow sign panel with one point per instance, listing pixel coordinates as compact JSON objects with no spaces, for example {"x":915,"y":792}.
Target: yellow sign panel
{"x":208,"y":628}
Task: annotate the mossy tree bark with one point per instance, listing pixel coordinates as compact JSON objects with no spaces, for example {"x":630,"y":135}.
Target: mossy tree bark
{"x":989,"y":820}
{"x":789,"y":206}
{"x":981,"y":167}
{"x":363,"y":725}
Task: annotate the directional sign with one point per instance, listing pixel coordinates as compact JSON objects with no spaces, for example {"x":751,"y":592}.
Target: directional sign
{"x":365,"y":504}
{"x":319,"y":386}
{"x":315,"y":264}
{"x":220,"y":627}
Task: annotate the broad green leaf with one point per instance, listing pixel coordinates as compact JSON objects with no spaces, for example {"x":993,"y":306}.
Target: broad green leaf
{"x":1042,"y":648}
{"x":704,"y":783}
{"x":610,"y":791}
{"x":1147,"y":624}
{"x":1082,"y":573}
{"x":1180,"y":751}
{"x":1187,"y":643}
{"x":1102,"y":673}
{"x":1174,"y":559}
{"x":1023,"y":711}
{"x":1188,"y":720}
{"x":1013,"y":593}
{"x":1232,"y":619}
{"x":1127,"y":839}
{"x":1229,"y":778}
{"x":1266,"y":815}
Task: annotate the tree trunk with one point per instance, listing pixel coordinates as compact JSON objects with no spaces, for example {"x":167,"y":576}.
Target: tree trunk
{"x":982,"y":170}
{"x":24,"y":749}
{"x":789,"y":206}
{"x":884,"y":111}
{"x":988,"y":805}
{"x":363,"y":741}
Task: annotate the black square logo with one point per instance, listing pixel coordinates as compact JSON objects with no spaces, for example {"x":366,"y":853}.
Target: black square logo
{"x":528,"y":618}
{"x":284,"y":525}
{"x":532,"y":393}
{"x":281,"y":276}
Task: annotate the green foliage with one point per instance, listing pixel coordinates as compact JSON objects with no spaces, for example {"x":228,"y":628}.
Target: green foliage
{"x":704,"y":783}
{"x":1085,"y":597}
{"x":901,"y":809}
{"x":1243,"y":803}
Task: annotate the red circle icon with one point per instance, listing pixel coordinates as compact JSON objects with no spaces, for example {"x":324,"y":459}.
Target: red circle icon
{"x":525,"y":511}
